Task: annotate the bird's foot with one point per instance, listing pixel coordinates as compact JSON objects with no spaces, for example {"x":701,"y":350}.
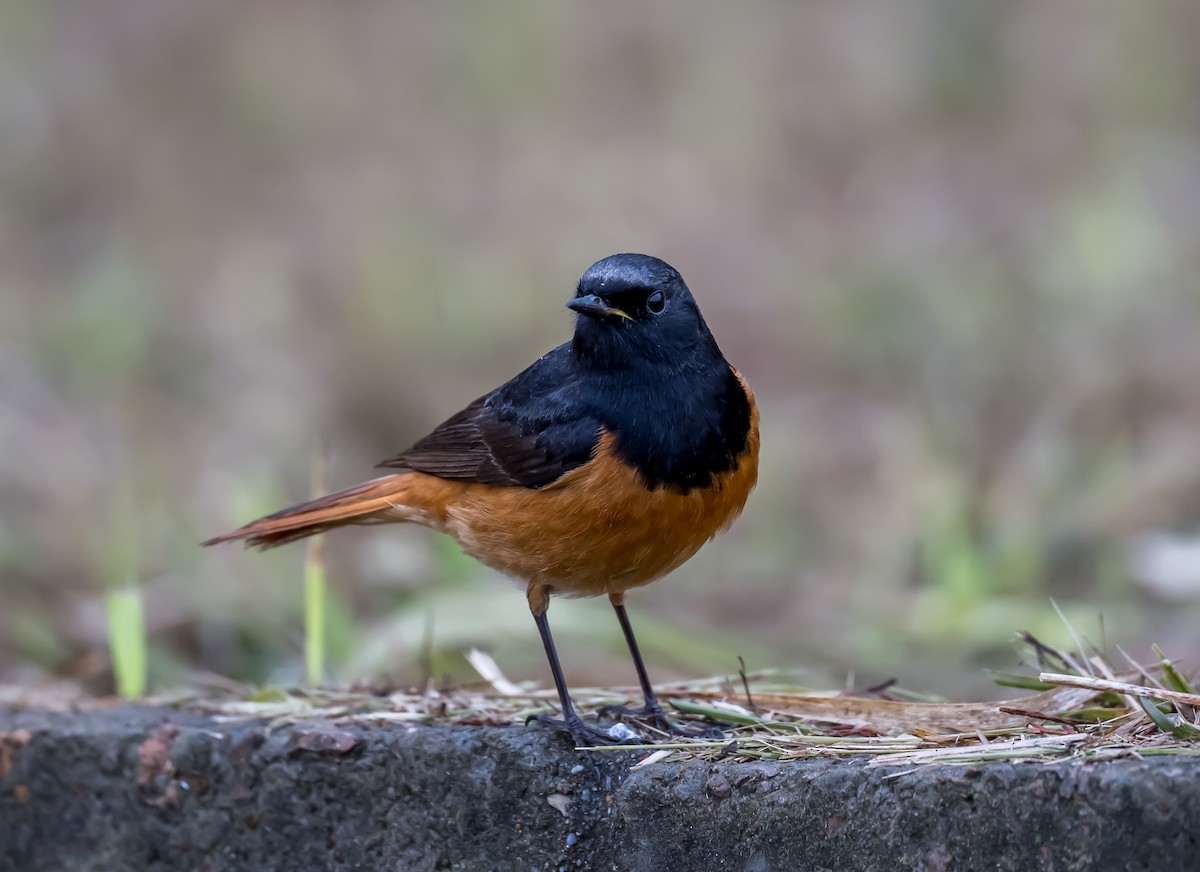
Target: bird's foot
{"x":586,"y":735}
{"x":653,"y":716}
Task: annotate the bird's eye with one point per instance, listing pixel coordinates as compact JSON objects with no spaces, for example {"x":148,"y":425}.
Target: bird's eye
{"x":655,"y":303}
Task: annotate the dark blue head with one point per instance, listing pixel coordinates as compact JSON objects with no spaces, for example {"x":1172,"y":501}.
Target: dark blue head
{"x":635,"y":309}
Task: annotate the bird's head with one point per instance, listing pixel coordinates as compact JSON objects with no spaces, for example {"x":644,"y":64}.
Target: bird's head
{"x":632,"y":309}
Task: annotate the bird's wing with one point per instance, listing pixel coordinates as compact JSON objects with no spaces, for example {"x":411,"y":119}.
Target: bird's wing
{"x":523,"y":434}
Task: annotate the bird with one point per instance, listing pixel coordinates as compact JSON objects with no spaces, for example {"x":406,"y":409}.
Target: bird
{"x":600,"y":468}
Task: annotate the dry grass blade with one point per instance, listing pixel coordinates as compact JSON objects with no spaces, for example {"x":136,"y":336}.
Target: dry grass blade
{"x":893,"y":717}
{"x":1016,"y":749}
{"x":657,"y":757}
{"x":490,"y":672}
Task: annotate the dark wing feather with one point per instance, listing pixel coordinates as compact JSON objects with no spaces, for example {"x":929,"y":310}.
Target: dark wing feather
{"x":455,"y":450}
{"x":523,"y":434}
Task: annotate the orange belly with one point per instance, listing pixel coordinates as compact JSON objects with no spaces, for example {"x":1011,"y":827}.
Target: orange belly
{"x":597,"y":529}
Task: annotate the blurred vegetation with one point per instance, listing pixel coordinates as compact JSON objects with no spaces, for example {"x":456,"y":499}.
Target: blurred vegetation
{"x":952,"y":243}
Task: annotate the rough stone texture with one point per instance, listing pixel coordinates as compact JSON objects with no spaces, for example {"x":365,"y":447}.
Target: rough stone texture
{"x":157,"y":789}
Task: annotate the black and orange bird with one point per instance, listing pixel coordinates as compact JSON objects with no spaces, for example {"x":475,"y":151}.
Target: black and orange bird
{"x":600,"y":468}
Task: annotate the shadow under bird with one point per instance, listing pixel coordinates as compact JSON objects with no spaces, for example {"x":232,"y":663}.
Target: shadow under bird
{"x":600,"y":468}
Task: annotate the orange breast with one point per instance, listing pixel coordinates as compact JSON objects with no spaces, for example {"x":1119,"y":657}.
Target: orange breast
{"x":597,"y":529}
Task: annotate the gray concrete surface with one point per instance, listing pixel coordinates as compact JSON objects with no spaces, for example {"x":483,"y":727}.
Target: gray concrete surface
{"x":157,"y":789}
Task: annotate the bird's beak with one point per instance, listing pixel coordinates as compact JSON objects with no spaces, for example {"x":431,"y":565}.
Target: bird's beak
{"x":594,"y":307}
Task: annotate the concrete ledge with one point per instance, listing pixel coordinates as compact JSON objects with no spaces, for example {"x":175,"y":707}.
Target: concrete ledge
{"x":157,"y":789}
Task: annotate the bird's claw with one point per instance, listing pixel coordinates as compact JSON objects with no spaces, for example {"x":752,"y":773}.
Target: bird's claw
{"x":655,"y":717}
{"x":586,"y":735}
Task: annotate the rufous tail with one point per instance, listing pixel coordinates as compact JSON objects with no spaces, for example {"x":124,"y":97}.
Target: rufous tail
{"x":385,"y":500}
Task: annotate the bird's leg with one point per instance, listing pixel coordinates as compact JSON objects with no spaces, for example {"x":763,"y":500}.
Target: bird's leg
{"x":583,"y":734}
{"x":652,"y":711}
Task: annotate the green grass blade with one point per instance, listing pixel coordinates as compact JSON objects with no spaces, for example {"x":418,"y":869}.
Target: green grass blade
{"x":1172,"y":677}
{"x":270,"y":693}
{"x":714,"y":713}
{"x":1013,"y":679}
{"x":127,"y":640}
{"x":315,"y":589}
{"x":315,"y":592}
{"x":1164,"y":723}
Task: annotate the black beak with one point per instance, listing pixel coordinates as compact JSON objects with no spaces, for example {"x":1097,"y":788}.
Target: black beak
{"x":594,"y":307}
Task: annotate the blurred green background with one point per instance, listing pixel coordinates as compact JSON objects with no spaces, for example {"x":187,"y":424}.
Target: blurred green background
{"x":952,"y":243}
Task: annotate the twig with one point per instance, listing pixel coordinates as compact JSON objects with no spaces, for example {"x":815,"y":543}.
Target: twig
{"x":1024,"y":713}
{"x":746,"y":684}
{"x":1103,"y":684}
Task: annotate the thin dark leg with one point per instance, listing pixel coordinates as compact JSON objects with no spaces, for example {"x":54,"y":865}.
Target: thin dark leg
{"x":560,"y":682}
{"x":652,"y":711}
{"x":583,"y":734}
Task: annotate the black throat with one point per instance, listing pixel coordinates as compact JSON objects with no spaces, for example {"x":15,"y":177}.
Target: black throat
{"x":680,"y":424}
